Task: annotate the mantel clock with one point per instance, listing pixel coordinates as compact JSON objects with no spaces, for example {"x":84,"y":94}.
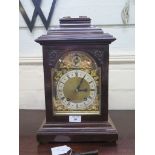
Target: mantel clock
{"x":75,"y":61}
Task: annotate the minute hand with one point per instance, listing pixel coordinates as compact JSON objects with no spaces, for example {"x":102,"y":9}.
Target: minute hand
{"x":77,"y":88}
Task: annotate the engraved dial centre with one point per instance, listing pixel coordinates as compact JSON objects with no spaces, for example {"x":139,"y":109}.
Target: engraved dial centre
{"x":72,"y":93}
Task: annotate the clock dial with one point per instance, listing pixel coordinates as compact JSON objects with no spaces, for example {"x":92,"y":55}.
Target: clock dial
{"x":76,"y":85}
{"x":76,"y":89}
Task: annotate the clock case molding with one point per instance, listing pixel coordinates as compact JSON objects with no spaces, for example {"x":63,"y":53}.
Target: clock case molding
{"x":76,"y":34}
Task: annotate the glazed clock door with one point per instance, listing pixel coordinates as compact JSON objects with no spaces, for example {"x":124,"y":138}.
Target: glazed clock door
{"x":76,"y":85}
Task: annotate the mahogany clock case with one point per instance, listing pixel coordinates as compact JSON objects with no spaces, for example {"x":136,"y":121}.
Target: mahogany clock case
{"x":58,"y":53}
{"x":76,"y":34}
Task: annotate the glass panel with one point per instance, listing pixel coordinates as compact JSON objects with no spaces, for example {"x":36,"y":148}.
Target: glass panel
{"x":76,"y":85}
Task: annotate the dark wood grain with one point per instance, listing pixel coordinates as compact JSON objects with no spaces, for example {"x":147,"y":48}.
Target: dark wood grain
{"x":101,"y":56}
{"x":30,"y":120}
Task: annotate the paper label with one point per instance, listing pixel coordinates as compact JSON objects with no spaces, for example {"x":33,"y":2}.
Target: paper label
{"x":60,"y":150}
{"x":74,"y":118}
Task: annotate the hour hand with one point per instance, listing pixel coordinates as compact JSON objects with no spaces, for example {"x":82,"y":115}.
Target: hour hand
{"x":83,"y":90}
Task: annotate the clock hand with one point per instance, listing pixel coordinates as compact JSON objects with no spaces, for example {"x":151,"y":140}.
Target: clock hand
{"x":77,"y":88}
{"x":84,"y":90}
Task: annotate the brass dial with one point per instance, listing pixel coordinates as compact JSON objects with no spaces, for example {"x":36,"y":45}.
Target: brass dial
{"x":76,"y":89}
{"x":75,"y":83}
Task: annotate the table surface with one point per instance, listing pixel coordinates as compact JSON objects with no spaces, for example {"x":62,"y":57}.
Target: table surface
{"x":30,"y":121}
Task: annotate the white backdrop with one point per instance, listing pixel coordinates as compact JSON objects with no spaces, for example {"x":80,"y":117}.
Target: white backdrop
{"x":105,"y":14}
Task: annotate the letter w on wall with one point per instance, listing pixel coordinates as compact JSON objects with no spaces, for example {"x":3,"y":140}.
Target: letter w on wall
{"x":37,"y":11}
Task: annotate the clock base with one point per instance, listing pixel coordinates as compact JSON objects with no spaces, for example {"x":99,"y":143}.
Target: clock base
{"x":78,"y":132}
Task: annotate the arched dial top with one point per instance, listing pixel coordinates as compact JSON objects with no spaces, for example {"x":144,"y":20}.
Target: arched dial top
{"x":76,"y":59}
{"x":76,"y":79}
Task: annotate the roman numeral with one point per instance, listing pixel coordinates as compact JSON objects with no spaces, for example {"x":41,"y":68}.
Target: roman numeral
{"x":68,"y":103}
{"x":60,"y":90}
{"x":62,"y":98}
{"x":61,"y":82}
{"x":76,"y":73}
{"x":90,"y":82}
{"x":68,"y":76}
{"x":92,"y":89}
{"x":90,"y":97}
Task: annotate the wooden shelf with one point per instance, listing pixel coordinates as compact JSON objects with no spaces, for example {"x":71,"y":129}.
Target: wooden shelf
{"x":30,"y":121}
